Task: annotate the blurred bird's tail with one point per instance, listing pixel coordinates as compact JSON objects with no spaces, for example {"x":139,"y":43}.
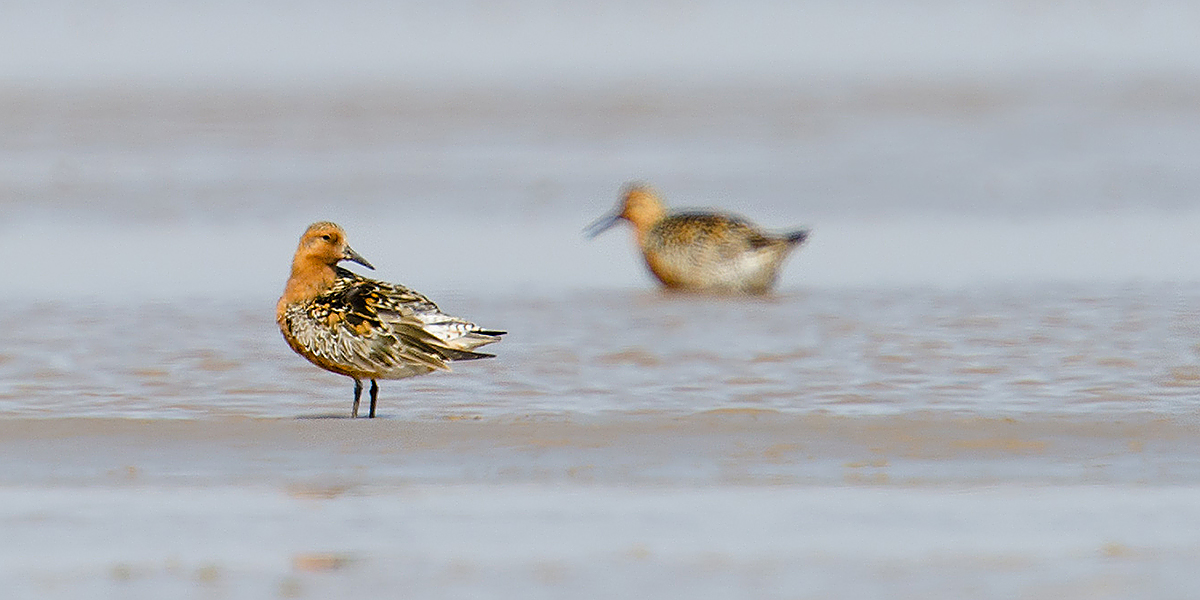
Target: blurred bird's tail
{"x":796,"y":238}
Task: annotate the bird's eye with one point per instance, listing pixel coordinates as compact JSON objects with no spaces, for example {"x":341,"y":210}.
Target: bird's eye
{"x":327,"y":237}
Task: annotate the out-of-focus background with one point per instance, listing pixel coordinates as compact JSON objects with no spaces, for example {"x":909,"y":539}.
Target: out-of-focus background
{"x":464,"y":143}
{"x":999,"y":305}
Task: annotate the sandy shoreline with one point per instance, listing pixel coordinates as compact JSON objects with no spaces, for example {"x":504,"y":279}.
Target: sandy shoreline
{"x":714,"y":448}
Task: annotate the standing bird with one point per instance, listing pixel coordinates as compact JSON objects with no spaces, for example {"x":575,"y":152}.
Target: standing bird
{"x":701,"y":251}
{"x":363,"y":328}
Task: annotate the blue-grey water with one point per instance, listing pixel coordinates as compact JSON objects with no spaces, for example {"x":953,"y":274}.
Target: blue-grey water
{"x":978,"y":379}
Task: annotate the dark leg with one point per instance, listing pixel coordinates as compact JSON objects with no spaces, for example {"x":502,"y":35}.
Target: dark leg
{"x":357,"y":395}
{"x":374,"y":396}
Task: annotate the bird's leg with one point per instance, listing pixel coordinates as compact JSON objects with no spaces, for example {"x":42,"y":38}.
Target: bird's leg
{"x":374,"y":396}
{"x":357,"y":395}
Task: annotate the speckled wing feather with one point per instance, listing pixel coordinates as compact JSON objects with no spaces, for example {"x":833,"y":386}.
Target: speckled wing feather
{"x":713,"y":251}
{"x":725,"y":236}
{"x":371,"y":328}
{"x":412,"y":315}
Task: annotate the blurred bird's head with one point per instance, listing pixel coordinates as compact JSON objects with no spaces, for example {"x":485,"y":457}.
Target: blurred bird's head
{"x":639,"y":205}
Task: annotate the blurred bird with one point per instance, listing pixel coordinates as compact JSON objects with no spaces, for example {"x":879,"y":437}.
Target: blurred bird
{"x":701,"y":251}
{"x":363,"y":328}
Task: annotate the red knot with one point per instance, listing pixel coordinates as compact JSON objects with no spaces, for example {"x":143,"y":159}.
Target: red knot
{"x":363,"y":328}
{"x":701,"y":250}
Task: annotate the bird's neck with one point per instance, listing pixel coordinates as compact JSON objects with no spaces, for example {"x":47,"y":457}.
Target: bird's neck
{"x":643,"y":222}
{"x":309,"y":279}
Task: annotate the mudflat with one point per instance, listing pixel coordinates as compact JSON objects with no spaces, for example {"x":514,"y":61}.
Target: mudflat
{"x":701,"y":505}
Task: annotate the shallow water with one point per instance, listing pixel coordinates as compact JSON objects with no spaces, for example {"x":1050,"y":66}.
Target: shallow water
{"x":1035,"y":350}
{"x":457,"y":541}
{"x":978,"y":379}
{"x":995,"y":249}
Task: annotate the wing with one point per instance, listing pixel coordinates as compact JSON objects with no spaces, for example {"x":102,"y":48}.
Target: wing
{"x":719,"y":236}
{"x":340,"y":331}
{"x":417,"y":320}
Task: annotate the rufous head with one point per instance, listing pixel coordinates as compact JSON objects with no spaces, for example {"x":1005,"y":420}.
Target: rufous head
{"x":639,"y":205}
{"x":325,"y":243}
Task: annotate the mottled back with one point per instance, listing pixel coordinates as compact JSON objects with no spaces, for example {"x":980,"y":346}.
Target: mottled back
{"x":716,"y":252}
{"x":365,"y":328}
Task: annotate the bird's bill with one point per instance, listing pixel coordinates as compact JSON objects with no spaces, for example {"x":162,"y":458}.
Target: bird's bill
{"x":352,"y":256}
{"x":601,"y":225}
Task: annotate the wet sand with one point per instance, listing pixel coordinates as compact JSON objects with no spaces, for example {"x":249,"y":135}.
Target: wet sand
{"x":727,"y":502}
{"x":720,"y":447}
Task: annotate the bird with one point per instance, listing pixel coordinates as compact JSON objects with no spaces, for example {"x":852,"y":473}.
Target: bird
{"x":700,"y":251}
{"x":363,"y":328}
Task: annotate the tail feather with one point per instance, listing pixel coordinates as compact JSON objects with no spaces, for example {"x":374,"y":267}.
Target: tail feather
{"x":456,"y":355}
{"x":797,"y":237}
{"x":476,"y":339}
